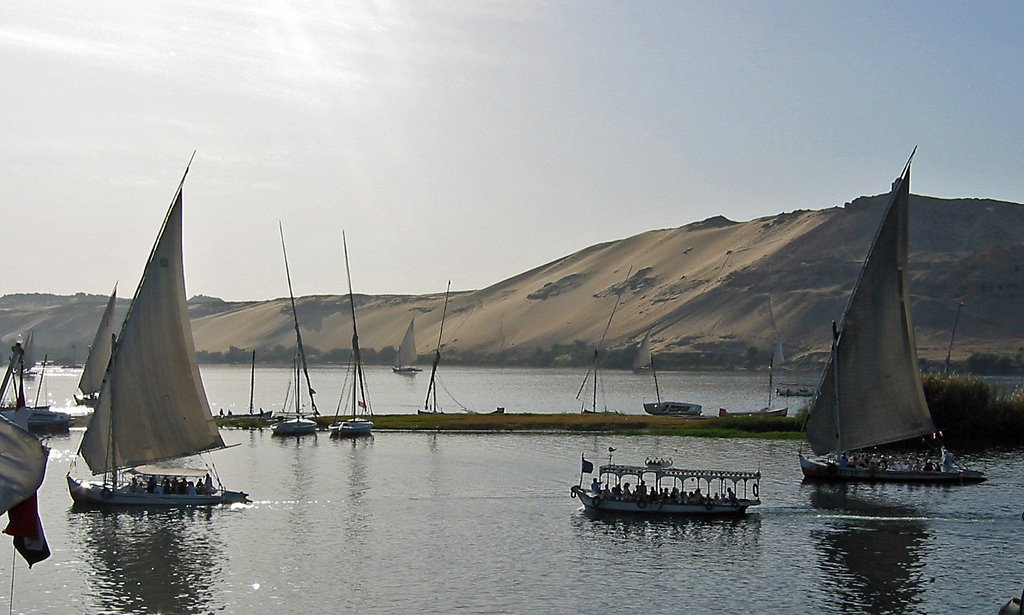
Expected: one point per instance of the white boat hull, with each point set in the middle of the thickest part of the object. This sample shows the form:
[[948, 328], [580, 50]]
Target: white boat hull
[[294, 427], [594, 503], [827, 470], [87, 493], [352, 428]]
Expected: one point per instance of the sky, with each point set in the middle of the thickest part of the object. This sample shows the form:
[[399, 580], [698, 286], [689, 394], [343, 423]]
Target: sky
[[471, 141]]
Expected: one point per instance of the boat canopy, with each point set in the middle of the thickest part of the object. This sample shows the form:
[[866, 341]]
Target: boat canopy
[[878, 398], [680, 473]]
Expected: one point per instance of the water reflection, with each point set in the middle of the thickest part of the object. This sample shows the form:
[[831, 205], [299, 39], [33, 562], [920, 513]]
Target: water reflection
[[160, 561], [871, 550]]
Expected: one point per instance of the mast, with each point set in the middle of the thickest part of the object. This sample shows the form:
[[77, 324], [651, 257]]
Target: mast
[[597, 349], [953, 335], [295, 319], [431, 388], [654, 373], [359, 376], [252, 380]]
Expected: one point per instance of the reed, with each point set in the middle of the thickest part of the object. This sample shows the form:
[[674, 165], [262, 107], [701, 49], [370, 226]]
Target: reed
[[971, 412]]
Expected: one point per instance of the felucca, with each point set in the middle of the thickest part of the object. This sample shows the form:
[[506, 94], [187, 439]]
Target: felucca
[[152, 407], [99, 356], [645, 362], [407, 352], [357, 425], [870, 392]]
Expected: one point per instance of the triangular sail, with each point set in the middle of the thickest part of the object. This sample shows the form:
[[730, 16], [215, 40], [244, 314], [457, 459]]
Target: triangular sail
[[407, 349], [29, 358], [99, 352], [643, 355], [870, 392], [152, 406]]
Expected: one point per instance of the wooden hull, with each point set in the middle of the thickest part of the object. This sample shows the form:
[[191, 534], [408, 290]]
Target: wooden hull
[[596, 504], [723, 413], [95, 495], [825, 470]]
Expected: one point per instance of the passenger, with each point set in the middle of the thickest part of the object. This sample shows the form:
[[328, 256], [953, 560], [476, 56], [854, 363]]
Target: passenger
[[947, 461], [928, 466], [151, 484], [617, 491], [843, 461], [731, 494], [158, 489], [190, 488], [208, 484], [595, 486], [626, 492], [167, 486]]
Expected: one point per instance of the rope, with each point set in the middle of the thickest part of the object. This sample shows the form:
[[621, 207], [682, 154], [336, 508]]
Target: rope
[[457, 402], [14, 565]]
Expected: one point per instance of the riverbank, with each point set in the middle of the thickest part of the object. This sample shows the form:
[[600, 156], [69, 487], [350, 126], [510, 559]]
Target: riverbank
[[776, 428]]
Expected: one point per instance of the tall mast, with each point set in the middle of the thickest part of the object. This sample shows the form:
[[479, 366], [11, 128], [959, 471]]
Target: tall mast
[[359, 377], [431, 388], [252, 380], [295, 319]]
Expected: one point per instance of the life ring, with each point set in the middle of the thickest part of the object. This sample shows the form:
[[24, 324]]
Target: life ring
[[641, 503], [595, 502], [106, 493], [572, 492], [755, 490]]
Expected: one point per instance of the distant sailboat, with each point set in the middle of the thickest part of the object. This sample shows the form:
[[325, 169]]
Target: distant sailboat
[[152, 407], [356, 425], [775, 358], [645, 362], [407, 352], [262, 414], [298, 425], [593, 376], [40, 417], [99, 356], [870, 392]]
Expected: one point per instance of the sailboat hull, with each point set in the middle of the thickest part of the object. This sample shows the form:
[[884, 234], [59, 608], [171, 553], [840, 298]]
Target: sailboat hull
[[826, 470], [95, 495], [352, 428], [672, 408], [407, 371], [725, 413], [294, 427]]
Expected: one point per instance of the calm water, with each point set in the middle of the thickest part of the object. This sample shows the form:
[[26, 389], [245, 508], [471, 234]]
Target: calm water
[[419, 522]]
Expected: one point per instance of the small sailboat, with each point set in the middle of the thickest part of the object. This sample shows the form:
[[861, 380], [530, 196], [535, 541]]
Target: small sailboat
[[38, 418], [430, 405], [152, 407], [262, 414], [593, 377], [23, 462], [767, 410], [298, 424], [99, 356], [645, 361], [870, 392], [407, 352], [357, 425]]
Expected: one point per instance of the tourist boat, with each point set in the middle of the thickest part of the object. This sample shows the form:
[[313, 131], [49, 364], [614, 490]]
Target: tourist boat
[[611, 491], [870, 392], [357, 425], [298, 425], [407, 352], [645, 362], [99, 355], [152, 407]]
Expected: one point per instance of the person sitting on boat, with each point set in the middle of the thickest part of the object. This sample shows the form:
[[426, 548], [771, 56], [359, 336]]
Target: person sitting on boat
[[595, 486], [731, 494], [158, 489], [134, 486], [843, 461], [208, 487], [641, 489], [151, 484], [190, 488], [928, 467], [617, 492], [626, 492]]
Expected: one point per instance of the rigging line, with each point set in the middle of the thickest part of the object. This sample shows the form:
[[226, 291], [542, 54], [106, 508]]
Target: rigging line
[[295, 318], [14, 565], [445, 387]]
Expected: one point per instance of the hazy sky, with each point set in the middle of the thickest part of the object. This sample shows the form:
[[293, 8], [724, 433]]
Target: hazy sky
[[471, 140]]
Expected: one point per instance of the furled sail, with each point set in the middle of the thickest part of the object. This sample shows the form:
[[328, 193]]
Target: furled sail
[[407, 349], [152, 406], [870, 392], [643, 355], [99, 352]]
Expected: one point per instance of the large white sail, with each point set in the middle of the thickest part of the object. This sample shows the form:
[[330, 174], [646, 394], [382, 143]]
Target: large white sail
[[22, 456], [407, 349], [643, 355], [99, 352], [152, 406], [870, 392]]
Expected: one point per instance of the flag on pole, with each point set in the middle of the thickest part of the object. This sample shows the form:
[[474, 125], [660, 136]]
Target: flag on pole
[[27, 530], [588, 468], [362, 404]]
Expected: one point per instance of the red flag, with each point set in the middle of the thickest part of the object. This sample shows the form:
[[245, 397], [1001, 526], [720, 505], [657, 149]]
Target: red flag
[[362, 404], [27, 530]]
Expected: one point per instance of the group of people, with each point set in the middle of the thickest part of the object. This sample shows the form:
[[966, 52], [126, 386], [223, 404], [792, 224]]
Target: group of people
[[907, 464], [646, 495], [173, 486]]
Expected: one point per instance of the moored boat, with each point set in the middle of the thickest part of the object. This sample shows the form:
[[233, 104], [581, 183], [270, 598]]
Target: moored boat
[[725, 413], [672, 408], [360, 397], [669, 492]]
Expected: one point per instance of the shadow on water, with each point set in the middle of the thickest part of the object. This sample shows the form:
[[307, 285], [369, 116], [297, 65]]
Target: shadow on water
[[870, 552], [725, 532], [159, 561]]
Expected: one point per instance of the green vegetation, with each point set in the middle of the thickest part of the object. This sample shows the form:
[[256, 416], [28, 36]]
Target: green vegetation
[[735, 427], [971, 412], [987, 363]]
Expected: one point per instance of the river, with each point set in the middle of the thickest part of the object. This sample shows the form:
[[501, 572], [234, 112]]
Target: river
[[407, 522]]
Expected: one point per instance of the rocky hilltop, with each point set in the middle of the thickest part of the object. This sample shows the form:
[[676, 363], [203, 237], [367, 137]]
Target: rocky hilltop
[[711, 288]]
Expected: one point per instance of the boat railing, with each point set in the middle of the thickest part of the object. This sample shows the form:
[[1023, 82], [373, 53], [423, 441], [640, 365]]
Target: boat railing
[[680, 473]]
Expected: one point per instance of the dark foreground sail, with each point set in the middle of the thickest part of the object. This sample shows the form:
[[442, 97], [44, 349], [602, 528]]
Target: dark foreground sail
[[870, 392]]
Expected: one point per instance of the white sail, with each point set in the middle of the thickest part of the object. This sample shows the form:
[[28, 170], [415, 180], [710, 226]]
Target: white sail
[[407, 349], [643, 355], [99, 352], [870, 392], [152, 405], [777, 357], [28, 357]]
